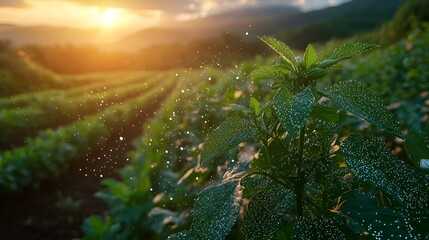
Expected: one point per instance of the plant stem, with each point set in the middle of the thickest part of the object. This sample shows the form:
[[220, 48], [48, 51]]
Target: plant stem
[[300, 183]]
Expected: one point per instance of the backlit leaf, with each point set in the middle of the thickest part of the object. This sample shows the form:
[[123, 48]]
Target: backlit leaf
[[359, 100], [270, 72], [216, 211], [310, 56], [349, 50], [265, 211], [282, 49], [293, 110], [255, 106], [229, 134]]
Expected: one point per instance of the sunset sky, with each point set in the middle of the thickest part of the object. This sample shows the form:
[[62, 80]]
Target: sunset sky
[[128, 15]]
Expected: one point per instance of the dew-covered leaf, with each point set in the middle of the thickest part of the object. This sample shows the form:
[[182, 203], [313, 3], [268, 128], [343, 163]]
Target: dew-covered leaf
[[359, 100], [324, 227], [282, 49], [417, 146], [270, 156], [310, 56], [372, 161], [229, 134], [349, 50], [160, 219], [216, 210], [325, 113], [293, 110], [239, 108], [264, 213], [316, 73], [254, 184], [270, 72], [366, 214], [185, 235], [255, 106]]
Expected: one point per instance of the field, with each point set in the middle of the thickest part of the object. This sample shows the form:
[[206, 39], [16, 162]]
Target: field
[[328, 142]]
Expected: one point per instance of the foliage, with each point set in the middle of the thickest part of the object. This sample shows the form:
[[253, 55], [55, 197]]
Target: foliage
[[223, 50], [316, 171], [18, 74], [24, 115], [152, 184], [401, 67], [348, 22], [51, 152], [411, 14]]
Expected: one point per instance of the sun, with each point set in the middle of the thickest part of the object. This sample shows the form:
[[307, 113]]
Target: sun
[[110, 16]]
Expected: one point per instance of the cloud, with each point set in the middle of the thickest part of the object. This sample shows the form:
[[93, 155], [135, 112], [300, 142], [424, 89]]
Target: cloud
[[13, 3], [164, 5], [139, 12]]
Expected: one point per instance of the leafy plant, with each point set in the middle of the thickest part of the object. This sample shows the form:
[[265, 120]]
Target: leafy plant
[[51, 152], [67, 204], [311, 177]]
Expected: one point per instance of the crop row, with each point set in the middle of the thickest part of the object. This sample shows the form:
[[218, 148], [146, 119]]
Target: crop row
[[51, 153], [23, 122], [160, 186], [98, 84]]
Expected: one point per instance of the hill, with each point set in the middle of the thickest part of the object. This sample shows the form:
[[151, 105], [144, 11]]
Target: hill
[[46, 35], [348, 19]]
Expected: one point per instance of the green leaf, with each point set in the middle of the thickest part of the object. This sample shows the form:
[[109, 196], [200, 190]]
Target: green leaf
[[316, 73], [365, 214], [160, 219], [94, 227], [293, 110], [270, 72], [216, 210], [254, 184], [325, 113], [255, 106], [310, 56], [417, 146], [282, 49], [372, 161], [265, 211], [324, 227], [185, 235], [349, 50], [239, 108], [359, 100], [118, 189], [229, 134]]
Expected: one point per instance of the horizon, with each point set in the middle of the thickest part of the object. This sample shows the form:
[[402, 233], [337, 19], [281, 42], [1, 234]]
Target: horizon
[[122, 18]]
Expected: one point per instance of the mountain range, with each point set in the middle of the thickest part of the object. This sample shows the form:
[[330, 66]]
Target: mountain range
[[246, 22]]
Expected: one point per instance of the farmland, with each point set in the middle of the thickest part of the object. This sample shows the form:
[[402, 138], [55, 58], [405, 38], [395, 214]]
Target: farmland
[[324, 142]]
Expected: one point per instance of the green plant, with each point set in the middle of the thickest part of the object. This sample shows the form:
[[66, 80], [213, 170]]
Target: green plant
[[153, 200], [51, 152], [312, 177], [67, 204]]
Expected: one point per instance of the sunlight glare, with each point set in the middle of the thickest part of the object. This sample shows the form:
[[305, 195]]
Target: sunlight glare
[[110, 15]]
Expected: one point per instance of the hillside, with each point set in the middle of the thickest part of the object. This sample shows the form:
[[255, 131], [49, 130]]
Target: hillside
[[46, 35], [267, 20], [274, 20]]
